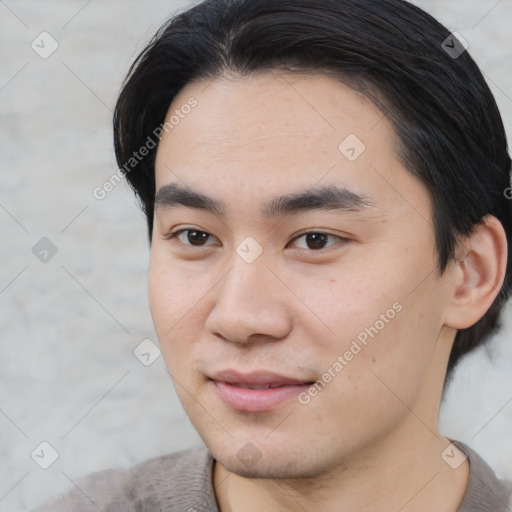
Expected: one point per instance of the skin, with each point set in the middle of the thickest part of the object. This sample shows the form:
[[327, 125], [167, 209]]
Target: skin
[[369, 440]]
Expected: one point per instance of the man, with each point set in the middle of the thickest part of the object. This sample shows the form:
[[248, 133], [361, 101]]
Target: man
[[329, 224]]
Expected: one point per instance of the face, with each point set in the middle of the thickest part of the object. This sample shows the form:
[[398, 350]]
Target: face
[[291, 249]]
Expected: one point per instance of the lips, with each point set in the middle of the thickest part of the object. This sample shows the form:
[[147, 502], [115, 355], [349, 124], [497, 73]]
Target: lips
[[256, 391]]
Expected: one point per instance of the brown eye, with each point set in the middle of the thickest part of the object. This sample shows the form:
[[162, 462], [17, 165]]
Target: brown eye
[[197, 237], [317, 240], [192, 237]]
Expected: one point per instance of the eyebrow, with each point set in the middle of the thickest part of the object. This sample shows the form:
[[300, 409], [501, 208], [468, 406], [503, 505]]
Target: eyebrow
[[330, 197]]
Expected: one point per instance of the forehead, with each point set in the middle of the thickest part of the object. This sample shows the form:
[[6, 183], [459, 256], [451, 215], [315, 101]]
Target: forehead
[[299, 113], [274, 132]]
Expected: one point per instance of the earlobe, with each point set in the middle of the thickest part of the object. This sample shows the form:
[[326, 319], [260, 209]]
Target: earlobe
[[479, 274]]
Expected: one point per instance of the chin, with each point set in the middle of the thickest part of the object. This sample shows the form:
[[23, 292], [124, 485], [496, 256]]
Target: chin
[[268, 463], [275, 470]]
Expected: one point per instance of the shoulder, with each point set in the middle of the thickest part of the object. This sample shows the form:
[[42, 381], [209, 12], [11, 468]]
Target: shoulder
[[177, 481], [485, 490]]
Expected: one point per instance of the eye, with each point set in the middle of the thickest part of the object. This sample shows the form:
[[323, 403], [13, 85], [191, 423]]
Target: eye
[[317, 240], [192, 237]]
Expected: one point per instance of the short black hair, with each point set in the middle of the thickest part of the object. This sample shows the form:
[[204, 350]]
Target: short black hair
[[449, 129]]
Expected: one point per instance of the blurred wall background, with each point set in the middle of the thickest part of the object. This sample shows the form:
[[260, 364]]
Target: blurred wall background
[[73, 302]]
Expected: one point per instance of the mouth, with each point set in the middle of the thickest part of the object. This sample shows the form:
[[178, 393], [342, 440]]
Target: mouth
[[259, 386], [256, 391]]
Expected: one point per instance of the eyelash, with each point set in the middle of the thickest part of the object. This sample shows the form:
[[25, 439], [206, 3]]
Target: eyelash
[[176, 234]]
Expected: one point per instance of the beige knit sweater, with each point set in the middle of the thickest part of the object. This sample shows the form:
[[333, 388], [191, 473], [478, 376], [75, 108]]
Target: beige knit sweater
[[182, 482]]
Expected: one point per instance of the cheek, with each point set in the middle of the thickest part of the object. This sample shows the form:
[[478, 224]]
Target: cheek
[[163, 292], [374, 378], [175, 303], [378, 325], [172, 290], [387, 360], [349, 303]]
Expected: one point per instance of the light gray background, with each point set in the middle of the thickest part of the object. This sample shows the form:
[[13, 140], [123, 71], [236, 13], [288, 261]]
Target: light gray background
[[69, 326]]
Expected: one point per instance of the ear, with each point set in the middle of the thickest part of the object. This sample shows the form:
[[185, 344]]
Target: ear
[[479, 275]]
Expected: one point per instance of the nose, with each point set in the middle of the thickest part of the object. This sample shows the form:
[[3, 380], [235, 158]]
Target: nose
[[251, 304]]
